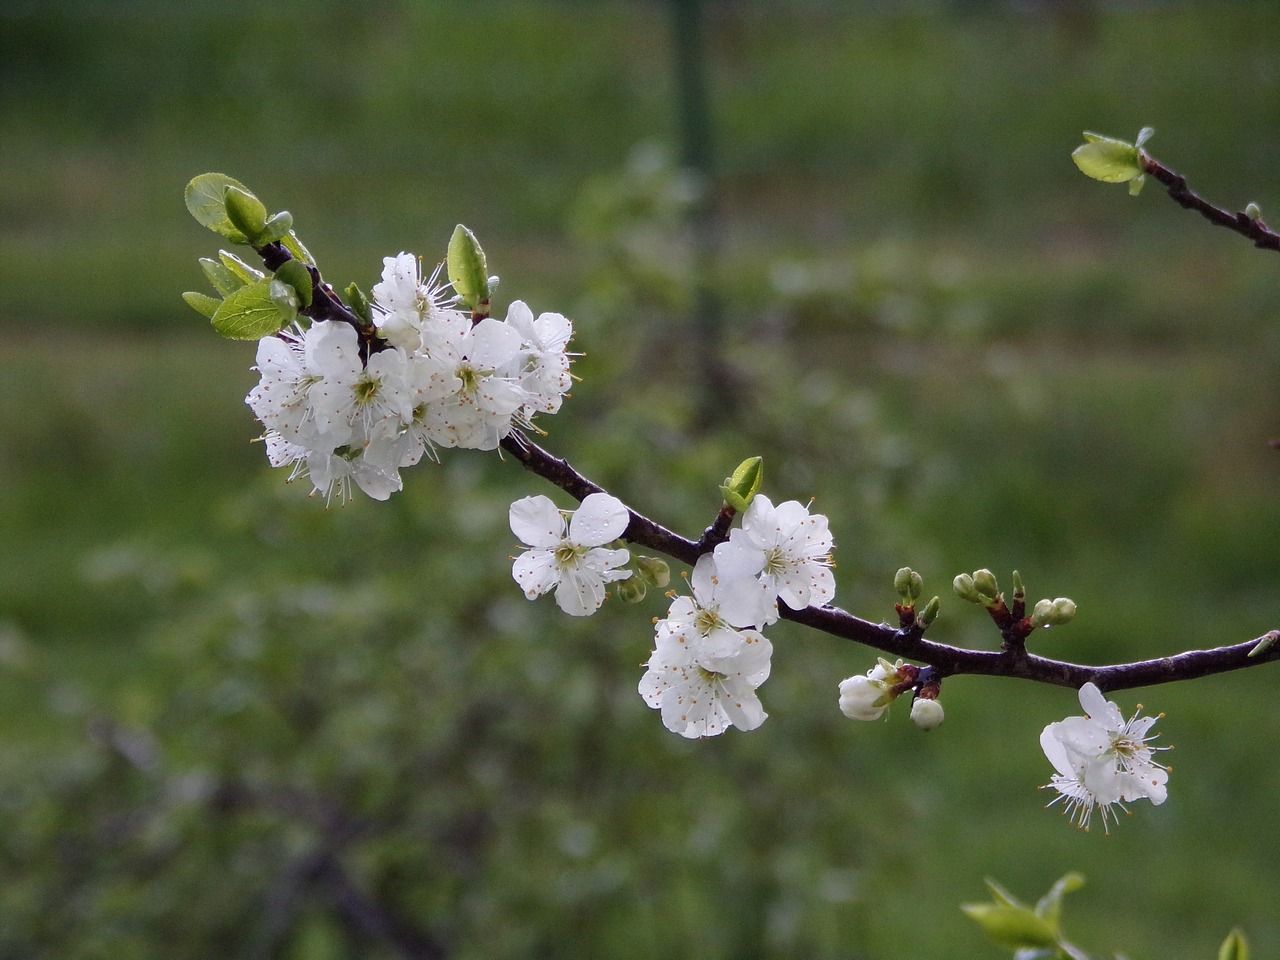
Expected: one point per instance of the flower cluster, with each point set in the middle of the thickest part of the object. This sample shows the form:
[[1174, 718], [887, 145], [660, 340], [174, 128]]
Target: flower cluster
[[338, 415], [709, 656], [1103, 761]]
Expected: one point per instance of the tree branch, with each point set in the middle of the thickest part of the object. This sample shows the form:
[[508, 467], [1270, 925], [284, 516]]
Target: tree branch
[[1184, 196], [908, 642]]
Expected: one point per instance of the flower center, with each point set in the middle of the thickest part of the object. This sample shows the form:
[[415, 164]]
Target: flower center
[[708, 620], [567, 555], [367, 391], [775, 561]]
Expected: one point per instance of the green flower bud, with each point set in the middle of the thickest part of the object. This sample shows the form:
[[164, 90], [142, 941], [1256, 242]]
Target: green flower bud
[[1064, 610], [1018, 589], [984, 581], [468, 271], [739, 489], [1253, 212], [1041, 613], [909, 585], [652, 570], [632, 589], [1053, 613], [929, 614], [964, 587]]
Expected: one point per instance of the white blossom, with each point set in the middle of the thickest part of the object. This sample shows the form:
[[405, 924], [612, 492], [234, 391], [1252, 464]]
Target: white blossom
[[703, 672], [403, 303], [866, 696], [1102, 760], [569, 556], [542, 365], [786, 547]]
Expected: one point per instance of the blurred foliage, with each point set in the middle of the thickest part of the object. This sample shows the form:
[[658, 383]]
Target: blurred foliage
[[238, 724]]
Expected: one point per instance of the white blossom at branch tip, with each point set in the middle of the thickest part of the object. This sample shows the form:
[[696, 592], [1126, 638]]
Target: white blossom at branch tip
[[566, 550], [704, 671], [1102, 760]]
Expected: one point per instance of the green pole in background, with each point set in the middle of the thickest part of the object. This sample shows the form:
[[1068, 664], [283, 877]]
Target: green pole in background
[[697, 155]]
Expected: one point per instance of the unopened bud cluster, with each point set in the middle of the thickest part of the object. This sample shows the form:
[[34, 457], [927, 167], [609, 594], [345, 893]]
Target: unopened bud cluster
[[867, 696]]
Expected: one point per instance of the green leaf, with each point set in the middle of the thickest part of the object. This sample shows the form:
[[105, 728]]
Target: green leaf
[[250, 313], [359, 303], [739, 489], [1049, 907], [1107, 159], [285, 297], [246, 212], [276, 228], [1002, 896], [1235, 947], [219, 277], [468, 271], [202, 303], [1014, 927], [297, 276], [294, 246], [246, 273], [205, 196]]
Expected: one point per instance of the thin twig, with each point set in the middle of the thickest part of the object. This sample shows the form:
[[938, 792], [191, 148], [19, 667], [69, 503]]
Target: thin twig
[[1176, 184]]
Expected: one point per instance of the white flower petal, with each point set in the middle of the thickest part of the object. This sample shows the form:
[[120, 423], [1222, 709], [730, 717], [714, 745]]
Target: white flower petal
[[537, 521], [601, 518]]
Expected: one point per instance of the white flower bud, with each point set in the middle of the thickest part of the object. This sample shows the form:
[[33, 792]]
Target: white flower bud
[[862, 698], [926, 714]]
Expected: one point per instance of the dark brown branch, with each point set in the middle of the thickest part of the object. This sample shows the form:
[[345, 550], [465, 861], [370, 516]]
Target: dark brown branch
[[908, 642], [1240, 222]]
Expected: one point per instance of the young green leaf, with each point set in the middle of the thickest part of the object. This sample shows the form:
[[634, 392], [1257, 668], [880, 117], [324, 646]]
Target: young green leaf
[[739, 489], [1001, 895], [294, 246], [468, 271], [1049, 907], [285, 297], [244, 271], [202, 303], [246, 212], [359, 303], [251, 313], [205, 196], [1235, 947], [219, 277], [276, 227], [1107, 159], [1014, 927], [296, 275]]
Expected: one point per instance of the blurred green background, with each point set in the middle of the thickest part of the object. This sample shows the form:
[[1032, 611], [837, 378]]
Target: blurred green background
[[234, 723]]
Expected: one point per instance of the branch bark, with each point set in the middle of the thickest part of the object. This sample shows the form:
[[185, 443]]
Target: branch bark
[[908, 642], [1182, 194]]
